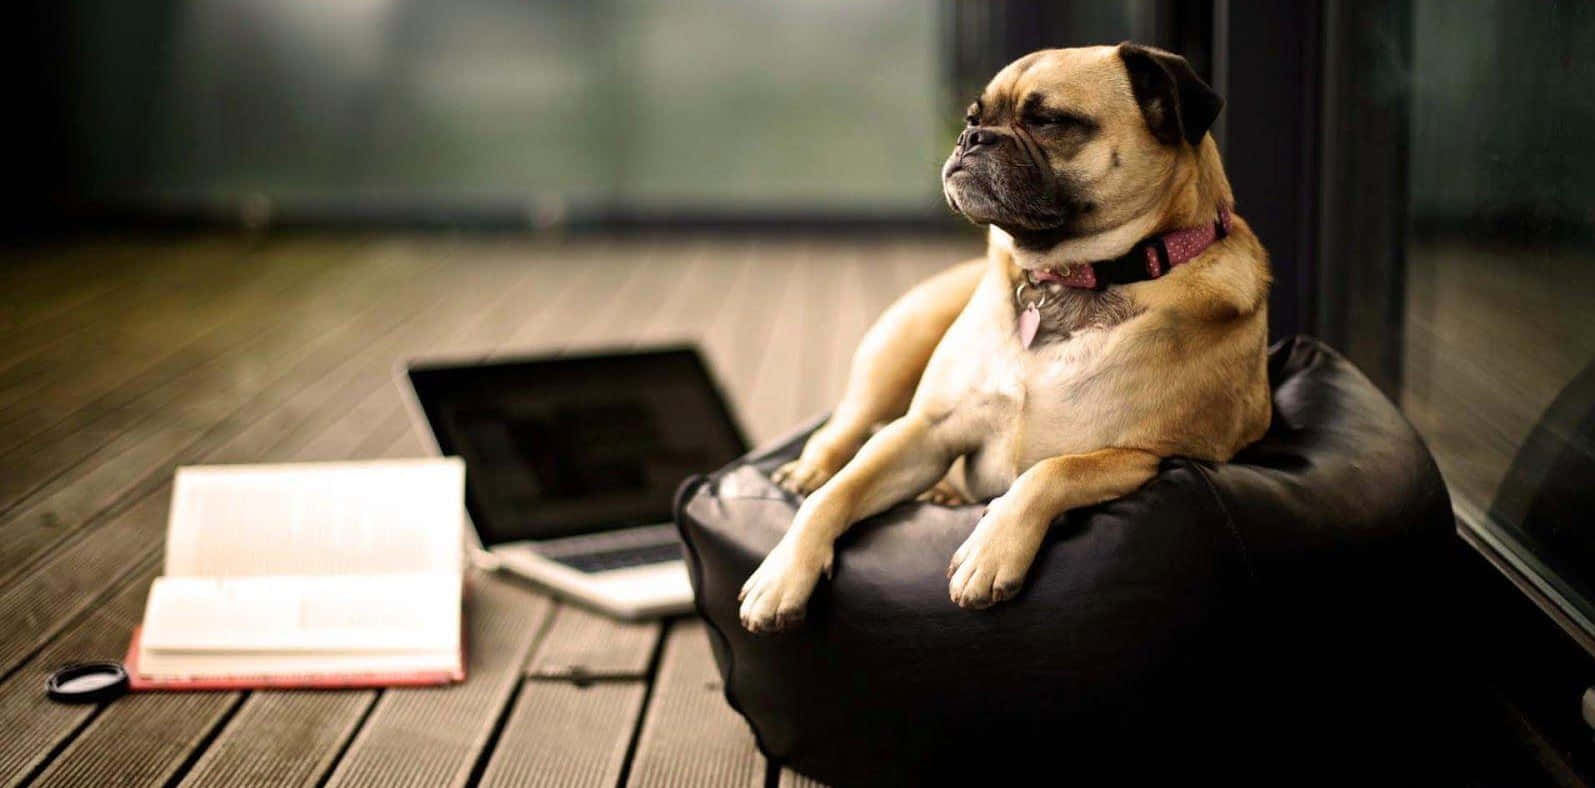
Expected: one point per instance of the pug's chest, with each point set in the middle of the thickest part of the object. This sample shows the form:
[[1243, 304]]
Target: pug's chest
[[1016, 405], [1052, 406]]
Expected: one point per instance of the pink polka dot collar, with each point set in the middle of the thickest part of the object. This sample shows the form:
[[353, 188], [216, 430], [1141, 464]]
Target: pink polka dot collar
[[1149, 259]]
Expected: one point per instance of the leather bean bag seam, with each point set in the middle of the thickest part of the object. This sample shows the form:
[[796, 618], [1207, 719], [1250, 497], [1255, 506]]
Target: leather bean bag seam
[[1203, 473]]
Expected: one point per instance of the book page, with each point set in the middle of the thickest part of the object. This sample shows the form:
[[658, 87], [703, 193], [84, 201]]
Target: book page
[[387, 516], [362, 614]]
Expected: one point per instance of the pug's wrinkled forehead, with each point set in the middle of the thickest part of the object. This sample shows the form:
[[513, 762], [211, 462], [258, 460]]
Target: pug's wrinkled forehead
[[1093, 87], [1087, 86]]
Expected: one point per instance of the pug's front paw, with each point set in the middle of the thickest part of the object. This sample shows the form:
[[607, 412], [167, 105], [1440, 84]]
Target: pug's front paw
[[826, 452], [776, 596], [991, 565], [801, 476]]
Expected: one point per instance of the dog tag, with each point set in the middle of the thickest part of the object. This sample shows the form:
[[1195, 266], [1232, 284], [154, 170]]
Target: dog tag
[[1029, 321]]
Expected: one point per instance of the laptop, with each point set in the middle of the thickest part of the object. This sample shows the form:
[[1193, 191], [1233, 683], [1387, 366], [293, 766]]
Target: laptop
[[572, 463]]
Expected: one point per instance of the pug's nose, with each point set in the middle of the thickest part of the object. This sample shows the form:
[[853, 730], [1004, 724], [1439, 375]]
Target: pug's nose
[[978, 136]]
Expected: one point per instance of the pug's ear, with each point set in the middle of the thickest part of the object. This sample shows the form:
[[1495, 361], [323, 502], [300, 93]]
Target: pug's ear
[[1176, 103]]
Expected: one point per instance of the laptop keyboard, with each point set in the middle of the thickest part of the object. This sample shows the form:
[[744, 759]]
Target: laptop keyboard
[[623, 557]]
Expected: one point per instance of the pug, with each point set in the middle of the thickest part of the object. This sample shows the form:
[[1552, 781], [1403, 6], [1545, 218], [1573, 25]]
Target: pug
[[1118, 317]]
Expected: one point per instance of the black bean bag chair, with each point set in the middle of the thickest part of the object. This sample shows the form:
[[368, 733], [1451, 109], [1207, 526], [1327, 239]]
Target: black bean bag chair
[[1281, 617]]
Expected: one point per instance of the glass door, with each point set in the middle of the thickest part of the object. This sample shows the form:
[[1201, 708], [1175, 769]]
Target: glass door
[[1498, 361]]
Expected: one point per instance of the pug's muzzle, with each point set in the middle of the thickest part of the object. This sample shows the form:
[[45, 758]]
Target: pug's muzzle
[[995, 176]]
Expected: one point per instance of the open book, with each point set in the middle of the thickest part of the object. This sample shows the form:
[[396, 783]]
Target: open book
[[314, 574]]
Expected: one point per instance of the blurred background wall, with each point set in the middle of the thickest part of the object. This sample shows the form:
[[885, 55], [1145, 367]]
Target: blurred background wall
[[530, 114], [502, 110], [487, 105]]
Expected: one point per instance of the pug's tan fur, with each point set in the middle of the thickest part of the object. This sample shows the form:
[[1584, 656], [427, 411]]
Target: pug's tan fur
[[1117, 379]]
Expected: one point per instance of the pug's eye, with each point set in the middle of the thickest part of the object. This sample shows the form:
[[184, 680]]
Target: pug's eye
[[1058, 121], [972, 115]]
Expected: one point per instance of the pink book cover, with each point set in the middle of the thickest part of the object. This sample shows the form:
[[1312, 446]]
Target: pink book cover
[[137, 681]]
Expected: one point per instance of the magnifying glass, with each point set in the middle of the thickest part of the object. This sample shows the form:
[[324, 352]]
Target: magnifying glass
[[87, 682]]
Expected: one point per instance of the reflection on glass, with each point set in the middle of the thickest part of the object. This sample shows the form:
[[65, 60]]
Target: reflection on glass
[[1500, 333]]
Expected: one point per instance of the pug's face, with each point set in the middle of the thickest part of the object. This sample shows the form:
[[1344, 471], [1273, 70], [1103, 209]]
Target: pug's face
[[1064, 143]]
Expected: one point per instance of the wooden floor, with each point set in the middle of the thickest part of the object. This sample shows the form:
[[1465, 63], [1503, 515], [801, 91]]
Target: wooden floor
[[121, 359]]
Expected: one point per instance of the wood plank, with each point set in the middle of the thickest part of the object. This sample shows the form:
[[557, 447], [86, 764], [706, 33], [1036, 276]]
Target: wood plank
[[721, 338], [612, 308], [773, 393], [410, 444], [585, 645], [293, 738], [132, 466], [433, 736], [563, 735], [203, 381], [139, 740], [690, 736], [871, 277], [33, 612], [172, 305], [803, 349], [82, 288], [157, 319], [568, 287], [791, 779], [814, 368], [33, 724], [845, 307], [59, 279], [699, 274], [746, 329]]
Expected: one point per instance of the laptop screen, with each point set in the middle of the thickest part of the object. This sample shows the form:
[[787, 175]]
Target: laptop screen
[[576, 444]]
